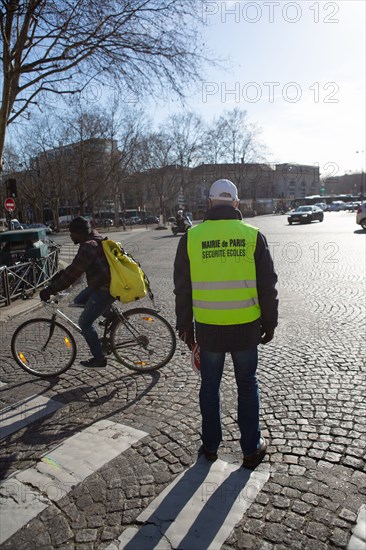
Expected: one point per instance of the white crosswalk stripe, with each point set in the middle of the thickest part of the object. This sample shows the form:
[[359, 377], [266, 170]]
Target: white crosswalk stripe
[[198, 510], [17, 416], [358, 538], [26, 493]]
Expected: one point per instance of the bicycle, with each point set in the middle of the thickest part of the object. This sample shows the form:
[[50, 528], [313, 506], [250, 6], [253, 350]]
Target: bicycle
[[139, 338]]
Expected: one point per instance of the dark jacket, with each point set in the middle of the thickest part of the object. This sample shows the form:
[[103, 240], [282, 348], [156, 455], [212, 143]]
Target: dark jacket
[[90, 259], [228, 337]]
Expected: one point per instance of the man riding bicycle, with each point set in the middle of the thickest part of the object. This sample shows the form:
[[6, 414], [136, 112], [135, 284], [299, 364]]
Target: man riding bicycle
[[96, 299]]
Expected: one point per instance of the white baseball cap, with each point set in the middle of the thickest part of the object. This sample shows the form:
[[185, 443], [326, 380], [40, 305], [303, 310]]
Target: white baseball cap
[[223, 190]]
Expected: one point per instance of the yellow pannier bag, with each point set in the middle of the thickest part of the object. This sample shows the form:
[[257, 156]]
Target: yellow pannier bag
[[128, 281]]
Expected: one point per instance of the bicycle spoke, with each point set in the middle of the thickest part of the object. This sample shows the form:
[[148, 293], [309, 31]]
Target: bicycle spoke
[[43, 347], [142, 340]]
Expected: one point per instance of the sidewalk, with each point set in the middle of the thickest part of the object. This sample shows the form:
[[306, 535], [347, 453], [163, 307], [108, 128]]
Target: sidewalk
[[19, 307]]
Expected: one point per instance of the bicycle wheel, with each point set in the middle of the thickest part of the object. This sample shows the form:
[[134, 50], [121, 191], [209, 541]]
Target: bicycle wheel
[[43, 347], [145, 341]]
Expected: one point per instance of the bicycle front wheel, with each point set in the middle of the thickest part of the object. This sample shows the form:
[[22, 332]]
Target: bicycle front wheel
[[143, 341], [43, 347]]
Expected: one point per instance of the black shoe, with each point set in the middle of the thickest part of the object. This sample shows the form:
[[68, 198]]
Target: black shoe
[[209, 455], [94, 363], [252, 461]]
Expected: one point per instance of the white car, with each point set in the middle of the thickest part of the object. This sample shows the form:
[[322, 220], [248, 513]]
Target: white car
[[361, 215]]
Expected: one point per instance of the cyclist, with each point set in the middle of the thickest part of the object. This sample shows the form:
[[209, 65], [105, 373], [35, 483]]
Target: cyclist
[[96, 299]]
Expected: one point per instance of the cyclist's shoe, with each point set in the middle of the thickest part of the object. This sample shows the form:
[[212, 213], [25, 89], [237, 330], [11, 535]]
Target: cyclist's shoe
[[94, 363]]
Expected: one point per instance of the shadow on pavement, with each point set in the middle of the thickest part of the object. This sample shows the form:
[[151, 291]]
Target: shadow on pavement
[[52, 429]]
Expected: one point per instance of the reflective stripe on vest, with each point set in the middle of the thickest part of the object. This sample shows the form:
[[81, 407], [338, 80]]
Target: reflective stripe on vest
[[219, 285], [223, 274]]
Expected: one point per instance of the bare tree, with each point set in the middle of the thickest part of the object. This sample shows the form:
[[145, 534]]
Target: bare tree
[[59, 46], [231, 138], [127, 130], [42, 176], [186, 132], [162, 174], [214, 143], [87, 147], [66, 160]]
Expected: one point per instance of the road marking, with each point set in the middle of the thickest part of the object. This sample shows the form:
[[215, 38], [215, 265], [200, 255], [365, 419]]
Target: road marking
[[358, 538], [198, 510], [25, 494], [17, 416], [18, 505]]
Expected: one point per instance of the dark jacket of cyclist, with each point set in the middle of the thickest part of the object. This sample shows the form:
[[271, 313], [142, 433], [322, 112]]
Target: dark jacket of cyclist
[[96, 299], [90, 259]]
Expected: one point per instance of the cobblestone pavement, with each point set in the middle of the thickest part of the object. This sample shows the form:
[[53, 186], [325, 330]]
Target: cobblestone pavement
[[312, 381]]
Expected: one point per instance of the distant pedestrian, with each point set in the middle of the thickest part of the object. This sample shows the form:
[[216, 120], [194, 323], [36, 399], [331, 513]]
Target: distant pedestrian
[[225, 280]]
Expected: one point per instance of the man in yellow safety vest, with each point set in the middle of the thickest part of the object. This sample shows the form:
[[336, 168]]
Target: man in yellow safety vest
[[224, 280]]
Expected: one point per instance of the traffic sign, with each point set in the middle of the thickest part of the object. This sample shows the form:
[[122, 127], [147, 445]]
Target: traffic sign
[[9, 204]]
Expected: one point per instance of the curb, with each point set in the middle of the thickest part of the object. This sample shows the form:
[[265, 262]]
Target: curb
[[19, 308]]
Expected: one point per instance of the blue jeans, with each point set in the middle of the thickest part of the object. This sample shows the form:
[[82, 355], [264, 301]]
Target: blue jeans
[[95, 302], [245, 367]]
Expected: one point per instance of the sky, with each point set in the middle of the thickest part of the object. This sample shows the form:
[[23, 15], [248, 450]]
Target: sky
[[297, 68]]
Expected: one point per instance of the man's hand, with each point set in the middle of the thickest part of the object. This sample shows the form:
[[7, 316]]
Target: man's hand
[[45, 294], [267, 335], [187, 336]]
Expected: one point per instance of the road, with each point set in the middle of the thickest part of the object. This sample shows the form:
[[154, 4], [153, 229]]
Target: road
[[145, 489]]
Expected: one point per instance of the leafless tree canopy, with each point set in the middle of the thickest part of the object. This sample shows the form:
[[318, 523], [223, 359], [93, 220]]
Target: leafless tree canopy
[[85, 158], [60, 45], [231, 138]]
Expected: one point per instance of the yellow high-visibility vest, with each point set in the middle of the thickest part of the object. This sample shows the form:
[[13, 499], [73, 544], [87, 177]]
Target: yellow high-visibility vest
[[223, 274]]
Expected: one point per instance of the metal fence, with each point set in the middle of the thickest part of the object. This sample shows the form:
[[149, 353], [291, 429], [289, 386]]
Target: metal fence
[[22, 279]]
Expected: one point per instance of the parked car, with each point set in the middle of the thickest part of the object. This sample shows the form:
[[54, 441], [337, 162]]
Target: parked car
[[40, 226], [305, 214], [151, 219], [129, 221], [337, 206], [133, 220], [352, 206], [322, 205], [361, 215]]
